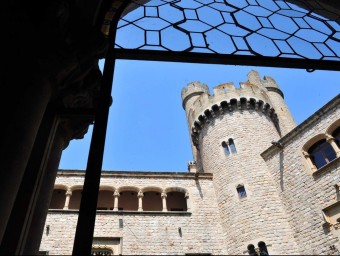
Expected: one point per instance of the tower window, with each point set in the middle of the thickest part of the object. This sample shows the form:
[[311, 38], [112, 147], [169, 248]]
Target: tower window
[[232, 146], [229, 147], [226, 148], [241, 191]]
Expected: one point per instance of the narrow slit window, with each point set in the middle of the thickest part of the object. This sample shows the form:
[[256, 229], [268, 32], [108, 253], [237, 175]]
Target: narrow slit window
[[241, 191], [226, 148], [232, 146]]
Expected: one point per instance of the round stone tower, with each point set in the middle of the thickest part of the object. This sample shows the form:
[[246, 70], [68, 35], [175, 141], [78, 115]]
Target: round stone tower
[[286, 120], [229, 130], [189, 95]]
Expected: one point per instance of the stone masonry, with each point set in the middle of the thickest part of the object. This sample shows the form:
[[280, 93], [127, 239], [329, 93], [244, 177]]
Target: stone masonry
[[243, 139]]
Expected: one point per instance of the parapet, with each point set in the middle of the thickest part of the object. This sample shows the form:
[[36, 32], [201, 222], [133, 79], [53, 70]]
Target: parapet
[[193, 89], [252, 95], [267, 82]]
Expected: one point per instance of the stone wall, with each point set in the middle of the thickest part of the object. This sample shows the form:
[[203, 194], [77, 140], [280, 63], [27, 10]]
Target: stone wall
[[145, 233], [259, 216], [304, 192]]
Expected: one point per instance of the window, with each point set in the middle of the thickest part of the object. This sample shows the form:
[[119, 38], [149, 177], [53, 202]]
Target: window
[[232, 146], [241, 191], [229, 147], [336, 136], [321, 153], [226, 148]]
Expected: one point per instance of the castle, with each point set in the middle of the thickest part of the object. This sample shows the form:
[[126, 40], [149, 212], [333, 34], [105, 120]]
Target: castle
[[256, 179]]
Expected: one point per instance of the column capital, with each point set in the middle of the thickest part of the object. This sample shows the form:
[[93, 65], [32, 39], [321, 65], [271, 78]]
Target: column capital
[[68, 192], [186, 195], [163, 194], [116, 193], [140, 194]]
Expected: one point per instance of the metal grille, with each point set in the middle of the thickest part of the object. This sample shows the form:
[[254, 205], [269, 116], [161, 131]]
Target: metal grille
[[296, 29]]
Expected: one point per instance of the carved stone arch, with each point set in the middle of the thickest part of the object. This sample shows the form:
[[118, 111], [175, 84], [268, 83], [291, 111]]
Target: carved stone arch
[[312, 141], [152, 189], [333, 127], [177, 199], [128, 188], [107, 188], [176, 189], [128, 200]]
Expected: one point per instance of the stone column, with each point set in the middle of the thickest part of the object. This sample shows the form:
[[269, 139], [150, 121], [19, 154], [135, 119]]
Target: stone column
[[67, 200], [186, 196], [116, 196], [140, 196], [332, 142], [164, 195]]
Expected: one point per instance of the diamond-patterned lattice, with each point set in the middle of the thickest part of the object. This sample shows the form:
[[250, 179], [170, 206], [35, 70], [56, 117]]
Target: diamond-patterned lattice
[[276, 28]]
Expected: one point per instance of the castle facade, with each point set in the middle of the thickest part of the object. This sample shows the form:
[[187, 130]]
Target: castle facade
[[257, 183]]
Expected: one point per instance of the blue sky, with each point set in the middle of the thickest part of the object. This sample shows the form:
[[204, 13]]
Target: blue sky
[[147, 128]]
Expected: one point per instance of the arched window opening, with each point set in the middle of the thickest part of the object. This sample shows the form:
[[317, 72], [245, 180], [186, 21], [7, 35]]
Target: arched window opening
[[105, 200], [128, 201], [226, 148], [229, 147], [176, 201], [232, 146], [58, 199], [152, 201], [241, 191], [75, 199], [321, 153], [336, 136]]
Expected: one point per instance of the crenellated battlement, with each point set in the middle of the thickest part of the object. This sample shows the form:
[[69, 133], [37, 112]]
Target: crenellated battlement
[[252, 95], [193, 89]]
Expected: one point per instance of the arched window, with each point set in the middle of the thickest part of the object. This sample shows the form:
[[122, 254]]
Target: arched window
[[232, 146], [152, 201], [321, 153], [128, 201], [105, 200], [226, 148], [336, 136], [75, 199], [229, 147], [58, 199], [176, 201]]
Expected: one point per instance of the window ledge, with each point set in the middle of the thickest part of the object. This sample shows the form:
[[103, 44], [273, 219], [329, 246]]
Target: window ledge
[[110, 212], [327, 167]]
